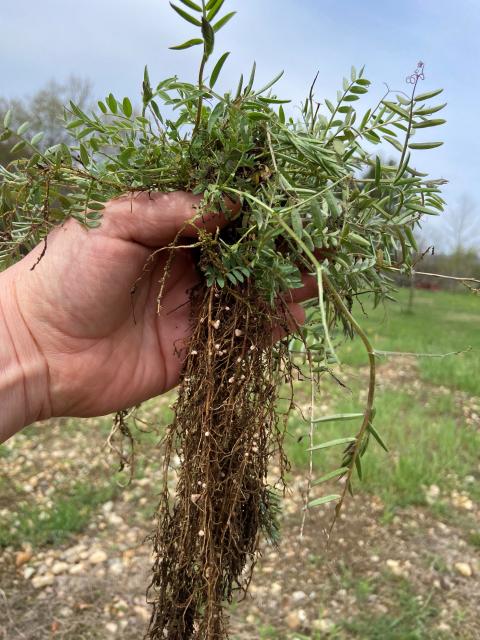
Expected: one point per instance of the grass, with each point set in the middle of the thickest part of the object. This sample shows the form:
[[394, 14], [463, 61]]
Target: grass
[[427, 439], [441, 322], [68, 515], [411, 619], [426, 446], [474, 539]]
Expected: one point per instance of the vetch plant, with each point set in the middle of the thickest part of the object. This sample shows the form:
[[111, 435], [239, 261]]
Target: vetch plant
[[313, 198]]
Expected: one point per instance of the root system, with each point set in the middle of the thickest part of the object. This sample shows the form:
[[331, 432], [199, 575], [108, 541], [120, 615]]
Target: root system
[[224, 432]]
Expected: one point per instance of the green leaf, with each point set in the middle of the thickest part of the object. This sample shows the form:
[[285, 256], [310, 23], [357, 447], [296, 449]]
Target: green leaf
[[378, 172], [249, 86], [339, 147], [396, 109], [112, 103], [258, 115], [430, 111], [358, 464], [127, 107], [208, 36], [84, 157], [101, 105], [377, 436], [36, 138], [428, 123], [353, 74], [358, 239], [297, 225], [269, 84], [22, 128], [187, 44], [186, 16], [214, 116], [239, 275], [18, 147], [332, 443], [420, 208], [272, 100], [239, 87], [215, 9], [96, 206], [426, 96], [318, 501], [210, 4], [403, 100], [192, 5], [339, 416], [359, 90], [330, 105], [411, 238], [217, 68], [330, 475], [223, 21], [403, 167], [7, 119], [365, 119], [78, 112], [73, 124], [394, 142], [281, 115], [332, 203], [425, 145], [147, 93], [154, 106]]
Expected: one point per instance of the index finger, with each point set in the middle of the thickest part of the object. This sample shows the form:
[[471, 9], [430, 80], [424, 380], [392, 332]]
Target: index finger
[[155, 219]]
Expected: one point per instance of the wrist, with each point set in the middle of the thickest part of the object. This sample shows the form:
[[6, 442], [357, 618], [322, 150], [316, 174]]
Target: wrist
[[24, 388]]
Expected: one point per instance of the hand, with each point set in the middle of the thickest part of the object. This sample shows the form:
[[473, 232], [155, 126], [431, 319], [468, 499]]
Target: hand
[[77, 308]]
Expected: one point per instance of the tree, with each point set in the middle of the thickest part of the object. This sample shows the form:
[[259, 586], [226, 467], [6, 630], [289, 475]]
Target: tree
[[462, 228], [44, 110]]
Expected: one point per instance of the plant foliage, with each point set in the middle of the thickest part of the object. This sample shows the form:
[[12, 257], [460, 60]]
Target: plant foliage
[[315, 194]]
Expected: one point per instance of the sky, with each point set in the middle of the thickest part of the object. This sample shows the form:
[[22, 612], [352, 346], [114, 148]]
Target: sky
[[110, 41]]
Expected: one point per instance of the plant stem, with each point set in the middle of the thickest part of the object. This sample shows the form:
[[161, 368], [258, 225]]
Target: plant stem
[[200, 77], [367, 417], [200, 99]]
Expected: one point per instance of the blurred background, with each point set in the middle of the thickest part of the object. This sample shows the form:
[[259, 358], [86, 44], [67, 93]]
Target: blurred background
[[405, 560]]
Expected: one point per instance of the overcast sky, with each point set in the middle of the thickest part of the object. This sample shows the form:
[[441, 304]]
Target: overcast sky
[[110, 41]]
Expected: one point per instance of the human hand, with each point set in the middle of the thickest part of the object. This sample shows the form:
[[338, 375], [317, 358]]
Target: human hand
[[75, 309]]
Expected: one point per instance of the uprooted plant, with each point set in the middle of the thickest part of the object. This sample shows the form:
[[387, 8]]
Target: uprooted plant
[[314, 198]]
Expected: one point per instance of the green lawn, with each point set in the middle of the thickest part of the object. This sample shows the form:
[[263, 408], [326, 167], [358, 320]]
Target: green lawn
[[441, 322], [422, 425]]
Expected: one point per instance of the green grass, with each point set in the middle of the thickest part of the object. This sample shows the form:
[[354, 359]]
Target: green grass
[[474, 539], [441, 322], [427, 439], [426, 445], [70, 513], [410, 620]]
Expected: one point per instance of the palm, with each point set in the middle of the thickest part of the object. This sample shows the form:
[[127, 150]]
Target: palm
[[106, 350]]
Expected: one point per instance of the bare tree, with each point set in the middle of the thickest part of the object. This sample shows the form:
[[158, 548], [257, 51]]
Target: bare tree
[[44, 110], [463, 226]]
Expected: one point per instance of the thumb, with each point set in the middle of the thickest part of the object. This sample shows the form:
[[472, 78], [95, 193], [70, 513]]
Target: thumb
[[154, 219]]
